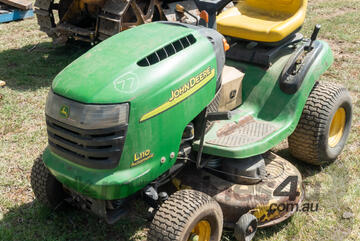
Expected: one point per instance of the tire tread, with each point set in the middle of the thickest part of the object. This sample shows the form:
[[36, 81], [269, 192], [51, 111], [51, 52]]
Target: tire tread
[[173, 215], [305, 141], [46, 188]]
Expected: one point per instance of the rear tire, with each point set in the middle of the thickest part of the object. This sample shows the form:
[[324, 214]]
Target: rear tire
[[47, 189], [316, 139], [186, 214]]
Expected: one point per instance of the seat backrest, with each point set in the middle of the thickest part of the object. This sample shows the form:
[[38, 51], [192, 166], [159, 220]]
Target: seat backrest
[[285, 6]]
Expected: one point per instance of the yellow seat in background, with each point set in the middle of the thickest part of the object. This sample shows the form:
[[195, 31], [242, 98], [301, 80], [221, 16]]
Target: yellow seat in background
[[262, 20]]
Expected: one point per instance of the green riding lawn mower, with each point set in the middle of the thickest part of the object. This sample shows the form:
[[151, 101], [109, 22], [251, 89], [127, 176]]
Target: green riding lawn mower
[[185, 120]]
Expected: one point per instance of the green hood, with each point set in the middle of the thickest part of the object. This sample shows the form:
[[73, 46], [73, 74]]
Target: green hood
[[163, 98], [109, 73]]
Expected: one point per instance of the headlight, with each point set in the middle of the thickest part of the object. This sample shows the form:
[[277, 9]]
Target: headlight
[[86, 116]]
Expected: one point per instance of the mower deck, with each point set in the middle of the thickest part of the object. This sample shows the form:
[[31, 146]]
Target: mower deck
[[258, 199]]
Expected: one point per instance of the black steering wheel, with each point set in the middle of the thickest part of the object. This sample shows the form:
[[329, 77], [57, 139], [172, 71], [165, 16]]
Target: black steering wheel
[[212, 7]]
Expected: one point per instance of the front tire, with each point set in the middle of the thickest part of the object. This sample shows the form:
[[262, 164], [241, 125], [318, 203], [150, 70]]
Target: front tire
[[47, 189], [324, 126], [187, 215], [245, 227]]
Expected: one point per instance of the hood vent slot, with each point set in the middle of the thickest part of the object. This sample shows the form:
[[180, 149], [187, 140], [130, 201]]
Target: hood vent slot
[[167, 51]]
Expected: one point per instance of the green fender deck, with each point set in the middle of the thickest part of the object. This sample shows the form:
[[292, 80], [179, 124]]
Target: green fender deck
[[267, 115]]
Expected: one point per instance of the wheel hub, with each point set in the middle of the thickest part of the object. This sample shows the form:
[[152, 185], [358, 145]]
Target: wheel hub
[[201, 231], [337, 127]]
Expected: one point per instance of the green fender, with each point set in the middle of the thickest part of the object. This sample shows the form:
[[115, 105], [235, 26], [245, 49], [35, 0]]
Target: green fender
[[264, 100]]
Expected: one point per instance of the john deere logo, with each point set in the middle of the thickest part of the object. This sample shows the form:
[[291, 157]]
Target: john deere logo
[[65, 111]]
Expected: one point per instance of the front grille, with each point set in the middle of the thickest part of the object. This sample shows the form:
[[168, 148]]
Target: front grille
[[99, 148]]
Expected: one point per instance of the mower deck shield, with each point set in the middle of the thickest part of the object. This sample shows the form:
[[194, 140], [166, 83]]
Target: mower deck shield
[[259, 199]]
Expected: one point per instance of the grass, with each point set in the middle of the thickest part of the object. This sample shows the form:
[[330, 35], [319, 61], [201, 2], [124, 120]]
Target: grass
[[28, 63]]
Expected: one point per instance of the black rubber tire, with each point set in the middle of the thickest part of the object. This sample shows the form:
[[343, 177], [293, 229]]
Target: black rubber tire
[[46, 188], [178, 215], [241, 230], [309, 141]]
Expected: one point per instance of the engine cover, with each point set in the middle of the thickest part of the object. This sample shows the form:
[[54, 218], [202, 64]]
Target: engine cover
[[166, 74]]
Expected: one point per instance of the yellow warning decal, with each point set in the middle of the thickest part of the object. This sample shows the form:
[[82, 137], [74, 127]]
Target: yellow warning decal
[[180, 94]]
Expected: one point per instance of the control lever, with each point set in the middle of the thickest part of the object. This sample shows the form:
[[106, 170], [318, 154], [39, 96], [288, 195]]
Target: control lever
[[211, 117], [205, 17], [180, 9], [314, 35]]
